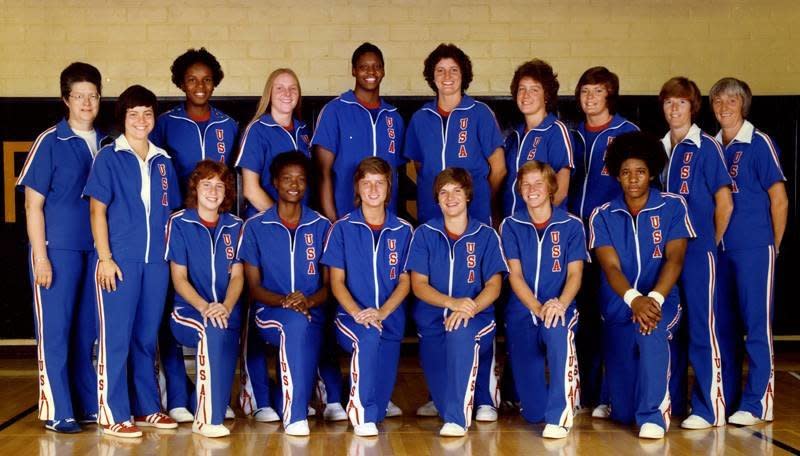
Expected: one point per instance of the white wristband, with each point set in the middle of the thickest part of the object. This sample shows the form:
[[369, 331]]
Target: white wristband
[[658, 297], [630, 295]]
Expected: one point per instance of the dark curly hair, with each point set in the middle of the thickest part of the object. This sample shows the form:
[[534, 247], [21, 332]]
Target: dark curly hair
[[366, 48], [600, 75], [638, 145], [189, 58], [541, 72], [132, 97], [292, 157], [207, 169], [79, 72], [448, 51]]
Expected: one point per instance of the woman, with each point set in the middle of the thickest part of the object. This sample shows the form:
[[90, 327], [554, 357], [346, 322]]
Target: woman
[[454, 130], [541, 316], [191, 132], [208, 280], [353, 126], [747, 259], [457, 272], [275, 128], [133, 189], [53, 178], [370, 242], [597, 93], [281, 249], [696, 170], [541, 137], [639, 239]]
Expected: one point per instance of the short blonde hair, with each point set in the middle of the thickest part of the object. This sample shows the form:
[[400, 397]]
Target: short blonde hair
[[548, 174]]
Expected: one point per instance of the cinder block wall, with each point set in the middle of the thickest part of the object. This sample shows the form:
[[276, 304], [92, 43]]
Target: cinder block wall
[[644, 41]]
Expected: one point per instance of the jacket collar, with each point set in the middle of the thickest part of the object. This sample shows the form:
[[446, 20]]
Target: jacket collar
[[121, 144], [225, 219], [391, 222], [694, 136], [269, 121], [349, 97], [473, 226], [180, 111], [467, 102], [547, 122], [307, 215], [521, 215], [745, 134], [64, 132], [654, 200]]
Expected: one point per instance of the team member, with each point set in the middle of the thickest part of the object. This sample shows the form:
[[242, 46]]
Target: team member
[[201, 248], [597, 93], [541, 137], [369, 242], [53, 178], [696, 170], [275, 128], [749, 248], [190, 132], [133, 189], [195, 130], [640, 240], [281, 249], [456, 273], [541, 316], [355, 125], [454, 130]]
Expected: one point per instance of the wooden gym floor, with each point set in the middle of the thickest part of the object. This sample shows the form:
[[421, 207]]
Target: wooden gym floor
[[22, 434]]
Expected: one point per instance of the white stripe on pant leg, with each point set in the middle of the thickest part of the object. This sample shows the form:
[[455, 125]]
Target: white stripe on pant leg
[[46, 403], [768, 398], [570, 381], [715, 387], [666, 403], [104, 414], [284, 373], [246, 395], [204, 404], [469, 394], [355, 408], [494, 387]]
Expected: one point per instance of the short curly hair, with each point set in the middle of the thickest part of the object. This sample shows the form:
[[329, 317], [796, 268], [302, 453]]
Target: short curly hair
[[600, 75], [284, 159], [207, 169], [638, 145], [541, 72], [682, 87], [189, 58], [448, 51]]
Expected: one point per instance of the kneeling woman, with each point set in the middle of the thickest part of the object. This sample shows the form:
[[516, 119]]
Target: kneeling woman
[[370, 242], [640, 240], [133, 189], [281, 248], [546, 248], [208, 280], [457, 271]]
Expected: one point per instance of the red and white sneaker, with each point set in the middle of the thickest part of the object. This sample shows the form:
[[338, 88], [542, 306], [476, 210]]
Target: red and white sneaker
[[125, 429], [157, 420]]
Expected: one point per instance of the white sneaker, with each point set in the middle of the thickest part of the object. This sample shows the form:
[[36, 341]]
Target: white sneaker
[[695, 422], [551, 431], [311, 411], [298, 428], [651, 431], [210, 430], [602, 411], [229, 415], [486, 413], [393, 410], [181, 415], [334, 412], [743, 418], [452, 430], [266, 415], [365, 430], [429, 409]]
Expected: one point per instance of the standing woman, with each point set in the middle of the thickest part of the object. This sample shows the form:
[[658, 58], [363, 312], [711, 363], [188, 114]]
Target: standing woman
[[133, 189], [191, 132], [541, 137], [275, 128], [59, 232], [696, 170], [208, 280], [455, 130], [194, 130], [639, 239], [370, 242], [457, 270], [597, 93], [353, 126], [747, 258], [281, 249], [541, 316]]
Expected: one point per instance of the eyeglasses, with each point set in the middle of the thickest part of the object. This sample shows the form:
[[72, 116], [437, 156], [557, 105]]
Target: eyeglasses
[[81, 97]]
